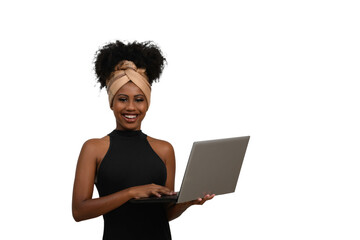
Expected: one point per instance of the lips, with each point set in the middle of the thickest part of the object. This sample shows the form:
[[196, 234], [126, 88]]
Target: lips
[[130, 117]]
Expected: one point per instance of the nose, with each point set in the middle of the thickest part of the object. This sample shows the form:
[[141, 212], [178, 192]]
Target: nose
[[130, 106]]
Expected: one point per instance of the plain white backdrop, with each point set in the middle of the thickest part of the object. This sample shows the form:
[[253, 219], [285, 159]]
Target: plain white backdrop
[[283, 72]]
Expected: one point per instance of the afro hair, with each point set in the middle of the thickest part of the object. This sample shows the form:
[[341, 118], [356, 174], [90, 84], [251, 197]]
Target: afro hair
[[145, 55]]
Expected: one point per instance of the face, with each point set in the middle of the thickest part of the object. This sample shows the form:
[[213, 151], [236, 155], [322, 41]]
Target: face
[[129, 107]]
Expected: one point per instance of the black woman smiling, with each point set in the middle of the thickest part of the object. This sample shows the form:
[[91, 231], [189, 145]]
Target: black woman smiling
[[126, 163]]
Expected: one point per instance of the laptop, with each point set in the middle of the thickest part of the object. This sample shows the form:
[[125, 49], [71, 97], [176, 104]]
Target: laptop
[[213, 168]]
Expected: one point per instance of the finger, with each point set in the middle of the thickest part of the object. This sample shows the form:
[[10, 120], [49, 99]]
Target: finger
[[160, 190], [203, 201], [206, 198], [198, 201], [166, 191], [156, 193], [209, 197]]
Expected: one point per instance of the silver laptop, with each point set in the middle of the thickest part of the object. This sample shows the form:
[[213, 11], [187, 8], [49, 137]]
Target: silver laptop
[[213, 168]]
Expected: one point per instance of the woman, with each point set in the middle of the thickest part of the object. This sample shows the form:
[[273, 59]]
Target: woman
[[127, 163]]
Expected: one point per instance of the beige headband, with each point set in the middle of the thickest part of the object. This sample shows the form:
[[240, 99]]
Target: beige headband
[[125, 72]]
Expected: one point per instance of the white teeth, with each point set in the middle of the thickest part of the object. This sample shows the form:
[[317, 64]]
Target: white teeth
[[130, 116]]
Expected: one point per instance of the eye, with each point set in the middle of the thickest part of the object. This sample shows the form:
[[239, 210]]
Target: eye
[[139, 99], [122, 99]]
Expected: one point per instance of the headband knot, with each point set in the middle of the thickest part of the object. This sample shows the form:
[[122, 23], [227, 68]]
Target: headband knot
[[123, 65], [124, 72]]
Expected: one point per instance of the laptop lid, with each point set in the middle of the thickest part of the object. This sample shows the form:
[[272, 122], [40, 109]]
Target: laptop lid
[[213, 168]]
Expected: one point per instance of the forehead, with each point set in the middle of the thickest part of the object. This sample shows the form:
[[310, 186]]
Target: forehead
[[130, 89]]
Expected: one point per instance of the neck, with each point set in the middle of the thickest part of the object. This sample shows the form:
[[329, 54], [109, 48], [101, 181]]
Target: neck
[[121, 128]]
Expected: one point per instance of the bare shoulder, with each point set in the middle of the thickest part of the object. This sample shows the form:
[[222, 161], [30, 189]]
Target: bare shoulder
[[163, 148], [164, 145], [96, 147], [95, 143]]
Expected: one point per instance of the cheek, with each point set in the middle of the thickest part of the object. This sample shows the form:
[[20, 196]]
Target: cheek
[[143, 111], [116, 108], [143, 107]]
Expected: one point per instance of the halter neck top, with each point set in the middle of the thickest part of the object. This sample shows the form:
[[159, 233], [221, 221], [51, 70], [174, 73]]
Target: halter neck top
[[130, 161]]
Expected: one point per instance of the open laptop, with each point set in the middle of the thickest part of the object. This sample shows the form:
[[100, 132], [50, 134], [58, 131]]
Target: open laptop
[[213, 168]]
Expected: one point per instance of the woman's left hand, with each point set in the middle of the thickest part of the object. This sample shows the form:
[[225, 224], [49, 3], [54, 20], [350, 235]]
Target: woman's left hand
[[176, 210], [200, 201]]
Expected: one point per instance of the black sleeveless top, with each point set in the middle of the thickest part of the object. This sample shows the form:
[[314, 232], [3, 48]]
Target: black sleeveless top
[[130, 161]]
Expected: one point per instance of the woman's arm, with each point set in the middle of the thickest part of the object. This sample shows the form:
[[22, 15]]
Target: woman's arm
[[83, 205]]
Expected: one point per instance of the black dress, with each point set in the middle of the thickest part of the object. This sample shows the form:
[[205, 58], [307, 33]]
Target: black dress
[[130, 161]]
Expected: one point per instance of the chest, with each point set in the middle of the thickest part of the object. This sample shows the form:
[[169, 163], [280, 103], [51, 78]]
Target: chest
[[129, 163]]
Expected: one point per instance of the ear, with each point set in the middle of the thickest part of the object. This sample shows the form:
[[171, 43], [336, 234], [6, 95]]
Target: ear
[[112, 105]]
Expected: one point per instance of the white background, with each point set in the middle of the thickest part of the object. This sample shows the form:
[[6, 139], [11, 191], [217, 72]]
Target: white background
[[283, 72]]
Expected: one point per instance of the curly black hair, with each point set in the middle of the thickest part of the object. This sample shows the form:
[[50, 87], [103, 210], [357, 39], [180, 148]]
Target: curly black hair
[[143, 54]]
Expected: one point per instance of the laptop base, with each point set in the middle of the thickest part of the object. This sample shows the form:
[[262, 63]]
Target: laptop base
[[154, 199]]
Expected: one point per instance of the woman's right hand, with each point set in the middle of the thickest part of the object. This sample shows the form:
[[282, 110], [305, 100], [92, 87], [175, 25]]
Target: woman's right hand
[[149, 190]]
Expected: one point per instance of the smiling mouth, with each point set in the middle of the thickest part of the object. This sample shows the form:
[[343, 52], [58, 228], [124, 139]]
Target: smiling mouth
[[130, 117]]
